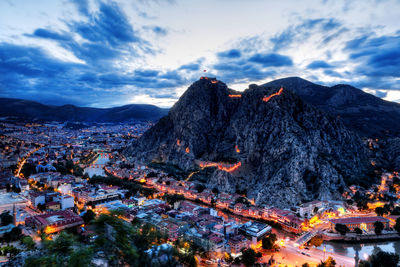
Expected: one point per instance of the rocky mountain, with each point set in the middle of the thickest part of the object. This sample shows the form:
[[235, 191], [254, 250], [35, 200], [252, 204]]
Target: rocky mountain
[[265, 140], [368, 115], [25, 109]]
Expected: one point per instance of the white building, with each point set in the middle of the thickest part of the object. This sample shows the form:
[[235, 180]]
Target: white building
[[66, 202], [65, 189]]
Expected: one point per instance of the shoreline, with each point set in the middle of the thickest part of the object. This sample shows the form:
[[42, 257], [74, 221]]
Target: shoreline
[[362, 239]]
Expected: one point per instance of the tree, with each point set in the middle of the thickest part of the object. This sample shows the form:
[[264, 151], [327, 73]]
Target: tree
[[88, 216], [305, 265], [248, 257], [62, 244], [358, 231], [200, 188], [316, 241], [379, 211], [41, 207], [341, 228], [28, 242], [381, 258], [396, 211], [378, 227], [330, 262], [397, 225], [228, 257], [6, 218], [269, 241], [81, 257], [215, 190]]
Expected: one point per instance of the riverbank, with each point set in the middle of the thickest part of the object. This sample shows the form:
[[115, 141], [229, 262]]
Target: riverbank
[[364, 238]]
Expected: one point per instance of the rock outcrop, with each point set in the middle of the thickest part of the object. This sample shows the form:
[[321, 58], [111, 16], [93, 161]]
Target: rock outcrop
[[273, 145]]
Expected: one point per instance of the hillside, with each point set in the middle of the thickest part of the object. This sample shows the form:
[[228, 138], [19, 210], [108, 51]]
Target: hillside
[[35, 111], [368, 115], [267, 141]]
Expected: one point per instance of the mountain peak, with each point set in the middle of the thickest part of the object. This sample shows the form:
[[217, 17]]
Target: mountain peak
[[264, 137]]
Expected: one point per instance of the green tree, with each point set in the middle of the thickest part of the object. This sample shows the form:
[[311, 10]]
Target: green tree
[[44, 261], [81, 257], [28, 242], [378, 227], [118, 240], [248, 257], [269, 241], [62, 244]]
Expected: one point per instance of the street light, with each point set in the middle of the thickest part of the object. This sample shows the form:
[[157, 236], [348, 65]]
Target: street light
[[324, 252]]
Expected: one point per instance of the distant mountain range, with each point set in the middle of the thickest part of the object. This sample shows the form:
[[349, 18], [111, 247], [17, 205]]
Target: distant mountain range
[[31, 110]]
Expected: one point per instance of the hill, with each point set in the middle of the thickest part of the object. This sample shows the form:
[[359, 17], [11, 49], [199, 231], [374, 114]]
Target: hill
[[26, 109], [368, 115], [265, 140]]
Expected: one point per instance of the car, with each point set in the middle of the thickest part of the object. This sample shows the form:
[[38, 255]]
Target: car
[[303, 253], [307, 248]]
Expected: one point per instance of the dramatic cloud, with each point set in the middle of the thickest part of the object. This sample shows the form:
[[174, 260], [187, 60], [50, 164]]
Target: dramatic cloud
[[319, 64], [107, 53]]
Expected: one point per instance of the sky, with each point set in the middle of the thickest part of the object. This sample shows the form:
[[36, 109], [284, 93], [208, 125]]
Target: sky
[[101, 53]]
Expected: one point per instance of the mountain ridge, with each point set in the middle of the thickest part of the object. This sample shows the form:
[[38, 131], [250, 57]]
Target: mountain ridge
[[265, 141], [366, 114], [27, 109]]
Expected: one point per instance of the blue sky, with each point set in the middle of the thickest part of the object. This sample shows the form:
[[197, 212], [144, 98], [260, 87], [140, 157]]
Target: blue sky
[[110, 53]]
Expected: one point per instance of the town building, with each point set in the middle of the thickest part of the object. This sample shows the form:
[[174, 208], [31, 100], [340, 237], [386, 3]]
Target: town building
[[364, 223], [55, 221], [237, 243], [255, 231]]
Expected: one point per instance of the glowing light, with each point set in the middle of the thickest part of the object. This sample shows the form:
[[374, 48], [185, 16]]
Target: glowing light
[[267, 98], [365, 256], [178, 142], [235, 96], [221, 166], [232, 168], [187, 150], [237, 149], [214, 81]]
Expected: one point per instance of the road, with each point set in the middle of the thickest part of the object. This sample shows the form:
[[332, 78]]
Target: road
[[291, 256]]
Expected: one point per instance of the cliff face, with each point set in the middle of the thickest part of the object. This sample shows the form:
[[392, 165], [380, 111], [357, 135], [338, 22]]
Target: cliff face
[[280, 149], [365, 114]]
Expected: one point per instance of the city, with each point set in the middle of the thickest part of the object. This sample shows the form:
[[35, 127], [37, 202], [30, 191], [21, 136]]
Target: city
[[51, 182], [212, 133]]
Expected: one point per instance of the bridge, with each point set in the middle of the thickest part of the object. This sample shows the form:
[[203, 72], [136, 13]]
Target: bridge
[[304, 238]]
